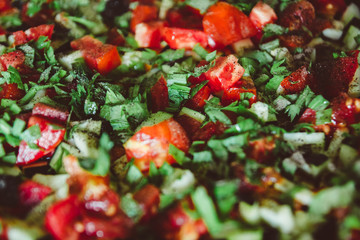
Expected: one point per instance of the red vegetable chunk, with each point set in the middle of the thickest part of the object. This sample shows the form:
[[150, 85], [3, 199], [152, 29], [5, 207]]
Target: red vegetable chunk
[[16, 59], [32, 193], [21, 37], [149, 35], [11, 91], [226, 24], [262, 14], [51, 136], [143, 13], [226, 72], [184, 38], [295, 82], [101, 57], [151, 144], [50, 112], [159, 95]]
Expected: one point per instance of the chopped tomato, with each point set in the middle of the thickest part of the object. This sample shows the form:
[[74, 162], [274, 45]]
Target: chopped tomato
[[4, 5], [11, 91], [115, 37], [332, 77], [159, 95], [190, 125], [184, 18], [346, 110], [151, 144], [101, 57], [297, 15], [50, 112], [295, 82], [226, 72], [329, 7], [143, 13], [309, 116], [21, 37], [149, 199], [262, 14], [149, 35], [261, 150], [233, 94], [51, 136], [43, 30], [226, 24], [61, 216], [207, 131], [197, 102], [184, 38], [31, 193], [16, 59], [295, 39]]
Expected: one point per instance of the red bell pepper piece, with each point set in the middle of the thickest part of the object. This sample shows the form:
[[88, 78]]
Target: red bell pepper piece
[[226, 24]]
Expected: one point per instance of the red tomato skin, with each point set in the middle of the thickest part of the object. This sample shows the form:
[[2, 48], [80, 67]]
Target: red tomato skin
[[31, 193], [296, 81], [226, 24], [184, 38], [233, 94], [16, 59], [197, 102], [19, 38], [60, 217], [5, 5], [50, 112], [101, 57], [149, 199], [11, 91], [115, 37], [143, 13], [226, 72], [149, 35], [159, 95], [151, 144], [49, 140], [43, 30], [262, 14], [346, 110], [309, 116]]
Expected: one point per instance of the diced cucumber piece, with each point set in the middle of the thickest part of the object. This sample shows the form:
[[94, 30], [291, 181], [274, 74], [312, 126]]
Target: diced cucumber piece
[[332, 33], [300, 139], [155, 119], [68, 60], [352, 11], [20, 230], [240, 46], [193, 114], [262, 111], [89, 125], [347, 155], [349, 39], [87, 143]]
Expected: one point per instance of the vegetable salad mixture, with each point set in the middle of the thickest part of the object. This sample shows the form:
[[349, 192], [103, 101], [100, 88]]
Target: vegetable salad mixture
[[179, 119]]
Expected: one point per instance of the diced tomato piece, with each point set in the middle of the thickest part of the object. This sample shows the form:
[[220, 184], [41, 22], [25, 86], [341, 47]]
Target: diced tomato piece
[[261, 150], [233, 94], [202, 77], [43, 30], [117, 227], [190, 125], [50, 112], [143, 13], [333, 77], [197, 102], [295, 39], [151, 144], [101, 57], [346, 110], [19, 38], [11, 91], [262, 14], [115, 37], [32, 193], [149, 35], [184, 18], [297, 15], [149, 199], [51, 136], [4, 5], [159, 95], [16, 59], [61, 216], [226, 24], [184, 38], [295, 82], [209, 130], [309, 116], [329, 7], [226, 72]]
